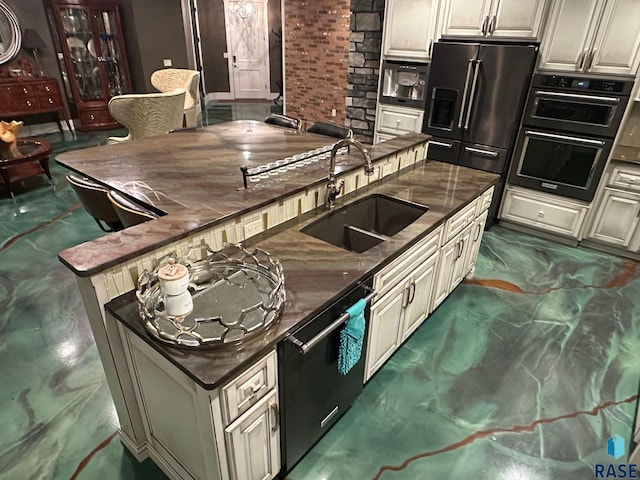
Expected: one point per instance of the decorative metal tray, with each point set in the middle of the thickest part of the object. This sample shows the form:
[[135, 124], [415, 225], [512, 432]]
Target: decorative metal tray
[[236, 294]]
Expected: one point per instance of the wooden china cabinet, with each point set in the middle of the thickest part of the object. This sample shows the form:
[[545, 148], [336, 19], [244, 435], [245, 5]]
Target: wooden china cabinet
[[88, 33]]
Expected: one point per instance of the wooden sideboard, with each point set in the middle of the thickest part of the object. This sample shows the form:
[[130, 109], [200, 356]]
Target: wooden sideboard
[[28, 96]]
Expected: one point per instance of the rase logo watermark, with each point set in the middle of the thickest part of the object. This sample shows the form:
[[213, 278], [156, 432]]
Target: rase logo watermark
[[616, 449]]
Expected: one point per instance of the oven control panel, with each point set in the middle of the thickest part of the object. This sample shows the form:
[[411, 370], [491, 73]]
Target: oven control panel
[[583, 83]]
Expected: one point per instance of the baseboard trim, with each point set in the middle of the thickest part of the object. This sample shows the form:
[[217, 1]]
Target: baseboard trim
[[572, 242]]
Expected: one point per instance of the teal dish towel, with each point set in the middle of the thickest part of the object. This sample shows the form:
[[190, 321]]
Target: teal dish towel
[[351, 337]]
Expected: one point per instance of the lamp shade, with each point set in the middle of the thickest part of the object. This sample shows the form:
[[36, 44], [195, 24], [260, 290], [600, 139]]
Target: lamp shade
[[32, 40]]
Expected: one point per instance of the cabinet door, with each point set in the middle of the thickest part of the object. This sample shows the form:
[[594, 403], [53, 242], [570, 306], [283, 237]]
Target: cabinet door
[[466, 17], [398, 120], [569, 34], [420, 294], [384, 328], [617, 43], [448, 255], [409, 28], [254, 441], [474, 248], [617, 217], [460, 262], [516, 19]]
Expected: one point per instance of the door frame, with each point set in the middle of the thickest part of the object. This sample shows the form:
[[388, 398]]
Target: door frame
[[266, 93]]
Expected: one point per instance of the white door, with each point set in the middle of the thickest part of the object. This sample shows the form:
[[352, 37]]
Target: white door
[[248, 48], [420, 293], [410, 28], [617, 217], [466, 17], [617, 44], [516, 19], [570, 30]]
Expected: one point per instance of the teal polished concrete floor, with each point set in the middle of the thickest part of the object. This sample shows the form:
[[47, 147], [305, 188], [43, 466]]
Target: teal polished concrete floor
[[524, 372]]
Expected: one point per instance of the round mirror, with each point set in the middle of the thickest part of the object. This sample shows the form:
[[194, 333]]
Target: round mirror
[[9, 33]]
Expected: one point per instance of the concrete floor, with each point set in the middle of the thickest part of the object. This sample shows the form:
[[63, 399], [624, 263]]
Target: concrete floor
[[524, 372]]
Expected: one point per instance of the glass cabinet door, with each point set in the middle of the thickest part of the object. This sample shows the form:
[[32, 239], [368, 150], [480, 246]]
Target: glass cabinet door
[[83, 55], [111, 56]]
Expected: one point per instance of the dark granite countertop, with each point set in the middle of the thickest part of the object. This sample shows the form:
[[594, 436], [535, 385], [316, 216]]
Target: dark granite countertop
[[316, 273], [193, 176]]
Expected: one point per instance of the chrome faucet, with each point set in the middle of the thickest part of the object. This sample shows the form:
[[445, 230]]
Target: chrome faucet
[[333, 189]]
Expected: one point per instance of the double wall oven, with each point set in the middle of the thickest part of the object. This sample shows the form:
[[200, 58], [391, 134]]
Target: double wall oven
[[567, 133]]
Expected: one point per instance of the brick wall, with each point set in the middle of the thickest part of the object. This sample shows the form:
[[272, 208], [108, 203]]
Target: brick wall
[[316, 58]]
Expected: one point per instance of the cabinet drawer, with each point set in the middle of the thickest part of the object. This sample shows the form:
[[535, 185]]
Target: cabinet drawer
[[485, 201], [96, 117], [21, 91], [50, 102], [246, 389], [543, 212], [399, 268], [627, 178], [47, 89], [392, 120], [459, 221]]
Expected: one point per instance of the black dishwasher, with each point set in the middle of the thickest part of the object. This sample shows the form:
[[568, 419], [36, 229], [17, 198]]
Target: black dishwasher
[[313, 395]]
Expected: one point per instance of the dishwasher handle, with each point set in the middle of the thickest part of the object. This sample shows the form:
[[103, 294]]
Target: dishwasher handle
[[304, 347]]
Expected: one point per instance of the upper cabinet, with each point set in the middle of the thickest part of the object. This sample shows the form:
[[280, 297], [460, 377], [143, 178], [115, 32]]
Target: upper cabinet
[[592, 36], [410, 29], [493, 18]]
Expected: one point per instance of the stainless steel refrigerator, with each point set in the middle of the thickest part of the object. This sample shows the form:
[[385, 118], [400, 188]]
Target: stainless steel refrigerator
[[476, 94]]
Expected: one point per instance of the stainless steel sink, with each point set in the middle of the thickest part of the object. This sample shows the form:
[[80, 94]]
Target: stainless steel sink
[[365, 223]]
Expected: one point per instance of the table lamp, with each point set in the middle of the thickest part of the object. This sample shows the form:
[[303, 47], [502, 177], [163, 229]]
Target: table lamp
[[32, 41]]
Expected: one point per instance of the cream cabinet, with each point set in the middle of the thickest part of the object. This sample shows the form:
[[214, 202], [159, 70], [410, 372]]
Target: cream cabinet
[[452, 265], [617, 217], [592, 36], [409, 29], [476, 239], [493, 18], [392, 120], [543, 211], [419, 290], [228, 433]]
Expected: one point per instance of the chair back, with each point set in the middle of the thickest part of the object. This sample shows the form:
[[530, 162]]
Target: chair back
[[169, 79], [95, 201], [283, 121], [148, 114], [129, 212], [330, 129]]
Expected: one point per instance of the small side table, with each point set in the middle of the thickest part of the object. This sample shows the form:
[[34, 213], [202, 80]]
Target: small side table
[[32, 151]]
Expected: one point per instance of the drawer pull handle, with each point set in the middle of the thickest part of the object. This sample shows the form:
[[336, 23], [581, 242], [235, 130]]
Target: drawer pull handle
[[46, 87], [478, 232], [28, 103], [405, 296], [92, 116], [25, 90], [412, 288], [276, 417], [51, 101], [461, 249]]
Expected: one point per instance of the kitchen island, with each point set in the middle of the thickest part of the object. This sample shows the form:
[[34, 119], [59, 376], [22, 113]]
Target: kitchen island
[[269, 216]]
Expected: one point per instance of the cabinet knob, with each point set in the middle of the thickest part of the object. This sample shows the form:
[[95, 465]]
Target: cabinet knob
[[51, 101], [25, 90], [92, 116], [541, 214], [28, 103], [46, 87]]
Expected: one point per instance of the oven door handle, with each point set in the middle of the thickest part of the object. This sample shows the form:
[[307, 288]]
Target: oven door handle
[[584, 141], [304, 347], [575, 96], [440, 144]]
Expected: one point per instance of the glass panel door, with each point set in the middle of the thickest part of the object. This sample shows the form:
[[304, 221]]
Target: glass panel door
[[85, 72], [110, 49]]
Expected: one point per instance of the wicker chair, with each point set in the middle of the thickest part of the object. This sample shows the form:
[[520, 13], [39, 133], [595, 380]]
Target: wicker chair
[[168, 79], [147, 114]]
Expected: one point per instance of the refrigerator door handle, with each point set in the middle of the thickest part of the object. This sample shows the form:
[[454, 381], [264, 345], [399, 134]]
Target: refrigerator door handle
[[465, 91], [478, 151], [492, 25], [474, 84], [484, 24]]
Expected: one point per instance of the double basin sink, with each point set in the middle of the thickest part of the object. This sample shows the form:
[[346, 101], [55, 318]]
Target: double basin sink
[[365, 223]]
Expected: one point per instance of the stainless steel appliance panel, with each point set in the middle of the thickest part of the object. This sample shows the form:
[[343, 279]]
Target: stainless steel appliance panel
[[443, 150], [404, 83], [565, 164], [483, 157], [497, 94], [449, 87], [313, 394]]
